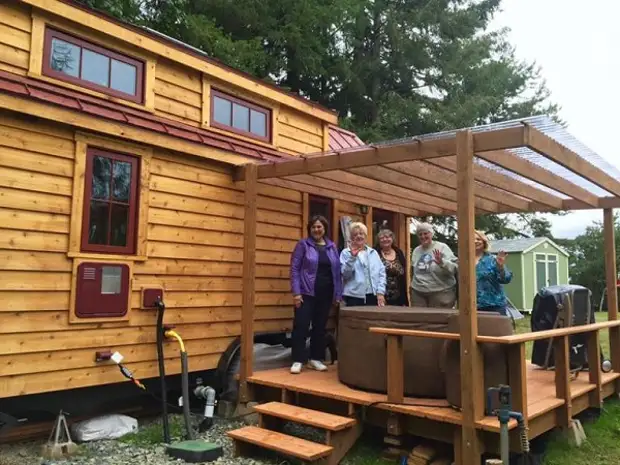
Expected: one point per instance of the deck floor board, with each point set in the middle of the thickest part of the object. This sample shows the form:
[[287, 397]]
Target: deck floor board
[[540, 393]]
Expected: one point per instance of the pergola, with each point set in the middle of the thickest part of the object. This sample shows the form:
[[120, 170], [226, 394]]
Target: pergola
[[529, 165]]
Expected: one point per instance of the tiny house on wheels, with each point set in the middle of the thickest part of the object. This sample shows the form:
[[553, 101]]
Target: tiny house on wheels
[[117, 152]]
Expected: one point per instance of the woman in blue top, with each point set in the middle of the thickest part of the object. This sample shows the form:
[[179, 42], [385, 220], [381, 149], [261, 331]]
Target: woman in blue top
[[491, 273]]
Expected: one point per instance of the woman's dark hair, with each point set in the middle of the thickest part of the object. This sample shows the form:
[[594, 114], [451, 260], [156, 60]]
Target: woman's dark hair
[[320, 219]]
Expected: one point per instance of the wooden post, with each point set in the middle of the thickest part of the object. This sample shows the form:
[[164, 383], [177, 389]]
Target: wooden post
[[562, 381], [249, 275], [612, 293], [335, 220], [395, 369], [408, 252], [470, 357], [368, 220]]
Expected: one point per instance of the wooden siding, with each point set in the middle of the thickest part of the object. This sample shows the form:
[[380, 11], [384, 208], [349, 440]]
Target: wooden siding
[[298, 133], [178, 93], [195, 239], [15, 28], [173, 90]]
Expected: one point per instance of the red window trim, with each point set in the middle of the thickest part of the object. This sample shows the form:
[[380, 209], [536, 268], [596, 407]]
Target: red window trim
[[244, 103], [130, 248], [48, 71]]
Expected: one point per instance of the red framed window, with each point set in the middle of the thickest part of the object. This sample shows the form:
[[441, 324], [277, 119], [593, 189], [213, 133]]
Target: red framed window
[[110, 202], [88, 65], [236, 115]]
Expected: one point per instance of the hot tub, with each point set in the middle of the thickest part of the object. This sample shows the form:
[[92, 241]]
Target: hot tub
[[430, 364]]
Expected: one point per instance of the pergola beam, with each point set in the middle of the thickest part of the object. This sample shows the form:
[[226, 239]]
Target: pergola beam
[[372, 155], [446, 177], [362, 192], [548, 147], [531, 171], [353, 180], [386, 175], [347, 197], [505, 183]]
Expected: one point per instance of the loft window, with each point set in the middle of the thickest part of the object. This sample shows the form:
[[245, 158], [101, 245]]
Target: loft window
[[110, 203], [236, 115], [85, 64]]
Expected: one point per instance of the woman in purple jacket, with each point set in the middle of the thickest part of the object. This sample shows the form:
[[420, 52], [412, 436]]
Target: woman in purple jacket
[[316, 284]]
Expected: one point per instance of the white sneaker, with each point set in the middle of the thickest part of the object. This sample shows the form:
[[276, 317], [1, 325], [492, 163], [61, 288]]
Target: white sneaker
[[296, 368], [316, 365]]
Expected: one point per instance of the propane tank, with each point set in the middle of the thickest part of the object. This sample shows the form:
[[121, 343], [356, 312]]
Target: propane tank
[[207, 393]]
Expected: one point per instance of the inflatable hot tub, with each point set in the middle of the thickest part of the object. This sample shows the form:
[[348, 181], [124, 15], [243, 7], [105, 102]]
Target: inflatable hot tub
[[431, 367]]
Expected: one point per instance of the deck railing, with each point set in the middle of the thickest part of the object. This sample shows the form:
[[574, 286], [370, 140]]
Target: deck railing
[[517, 374]]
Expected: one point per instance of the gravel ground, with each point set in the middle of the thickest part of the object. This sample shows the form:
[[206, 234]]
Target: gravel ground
[[143, 447]]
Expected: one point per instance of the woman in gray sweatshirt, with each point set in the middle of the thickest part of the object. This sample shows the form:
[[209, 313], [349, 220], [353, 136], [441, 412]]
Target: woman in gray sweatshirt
[[433, 282]]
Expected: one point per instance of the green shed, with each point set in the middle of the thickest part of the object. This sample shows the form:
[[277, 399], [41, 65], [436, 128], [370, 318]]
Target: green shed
[[535, 263]]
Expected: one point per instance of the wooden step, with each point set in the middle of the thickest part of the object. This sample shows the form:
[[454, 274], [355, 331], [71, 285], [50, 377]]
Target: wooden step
[[305, 416], [281, 443]]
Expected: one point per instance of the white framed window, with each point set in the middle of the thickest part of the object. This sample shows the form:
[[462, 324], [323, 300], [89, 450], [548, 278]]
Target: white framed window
[[546, 270]]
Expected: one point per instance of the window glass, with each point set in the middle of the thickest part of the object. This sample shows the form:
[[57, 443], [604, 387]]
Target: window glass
[[95, 67], [111, 279], [112, 203], [552, 258], [91, 66], [241, 117], [222, 111], [123, 77], [553, 273], [65, 57], [238, 116], [541, 274], [98, 226], [119, 224], [258, 123], [121, 181]]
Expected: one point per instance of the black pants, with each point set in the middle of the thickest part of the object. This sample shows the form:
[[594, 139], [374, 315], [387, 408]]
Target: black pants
[[371, 299], [313, 310]]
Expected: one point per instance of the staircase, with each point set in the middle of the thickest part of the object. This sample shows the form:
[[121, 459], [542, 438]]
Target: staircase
[[341, 434]]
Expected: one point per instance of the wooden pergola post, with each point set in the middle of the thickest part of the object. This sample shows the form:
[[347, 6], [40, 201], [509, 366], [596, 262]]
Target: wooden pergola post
[[611, 279], [470, 357], [249, 275]]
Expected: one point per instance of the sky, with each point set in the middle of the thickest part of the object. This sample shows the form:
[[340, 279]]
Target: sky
[[577, 46]]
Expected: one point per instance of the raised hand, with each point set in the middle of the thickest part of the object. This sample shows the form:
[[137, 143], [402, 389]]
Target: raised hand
[[501, 258], [438, 256]]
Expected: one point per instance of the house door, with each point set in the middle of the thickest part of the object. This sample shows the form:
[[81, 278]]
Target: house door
[[383, 219]]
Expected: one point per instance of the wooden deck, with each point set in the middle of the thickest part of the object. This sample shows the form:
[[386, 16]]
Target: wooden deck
[[541, 395]]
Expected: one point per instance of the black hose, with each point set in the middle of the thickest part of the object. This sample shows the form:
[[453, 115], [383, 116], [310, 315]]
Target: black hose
[[185, 388], [162, 369]]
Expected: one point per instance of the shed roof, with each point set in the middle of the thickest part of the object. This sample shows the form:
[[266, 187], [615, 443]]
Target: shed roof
[[520, 245]]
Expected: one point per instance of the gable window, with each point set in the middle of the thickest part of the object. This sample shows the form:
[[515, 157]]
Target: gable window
[[85, 64], [110, 203], [233, 114]]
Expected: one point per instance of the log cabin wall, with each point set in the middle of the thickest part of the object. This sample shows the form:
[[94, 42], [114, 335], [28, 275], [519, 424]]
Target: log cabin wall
[[189, 233]]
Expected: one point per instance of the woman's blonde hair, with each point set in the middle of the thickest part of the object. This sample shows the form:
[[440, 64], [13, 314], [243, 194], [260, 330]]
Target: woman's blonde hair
[[357, 225], [483, 237]]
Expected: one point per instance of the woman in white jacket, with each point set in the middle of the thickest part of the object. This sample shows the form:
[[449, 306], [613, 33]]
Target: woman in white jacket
[[363, 272]]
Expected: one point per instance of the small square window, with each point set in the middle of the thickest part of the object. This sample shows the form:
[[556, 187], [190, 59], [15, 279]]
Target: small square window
[[236, 115], [74, 60], [110, 203]]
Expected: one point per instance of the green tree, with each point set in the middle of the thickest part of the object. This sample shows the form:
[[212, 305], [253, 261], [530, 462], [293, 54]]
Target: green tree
[[587, 258]]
